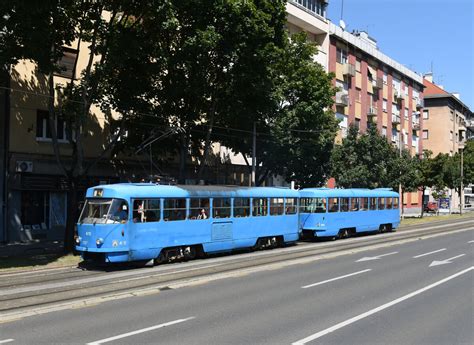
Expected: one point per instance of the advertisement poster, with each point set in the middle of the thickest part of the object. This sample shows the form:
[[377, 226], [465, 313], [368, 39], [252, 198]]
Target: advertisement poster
[[443, 205]]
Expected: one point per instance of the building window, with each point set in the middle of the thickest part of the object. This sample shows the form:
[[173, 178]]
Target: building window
[[452, 115], [384, 131], [67, 63], [315, 6], [341, 56], [43, 131], [406, 113], [357, 123], [384, 105], [425, 134], [426, 114], [451, 135], [385, 78], [358, 65], [357, 95]]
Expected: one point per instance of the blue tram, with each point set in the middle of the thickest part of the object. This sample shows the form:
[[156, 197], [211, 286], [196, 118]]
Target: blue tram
[[339, 213], [144, 221]]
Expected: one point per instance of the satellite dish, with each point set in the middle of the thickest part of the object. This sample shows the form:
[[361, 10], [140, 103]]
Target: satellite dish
[[342, 24]]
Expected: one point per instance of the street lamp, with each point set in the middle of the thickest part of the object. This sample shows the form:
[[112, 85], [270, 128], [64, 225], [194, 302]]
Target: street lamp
[[461, 148]]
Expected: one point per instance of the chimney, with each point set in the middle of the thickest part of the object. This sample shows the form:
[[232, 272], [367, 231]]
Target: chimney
[[429, 76]]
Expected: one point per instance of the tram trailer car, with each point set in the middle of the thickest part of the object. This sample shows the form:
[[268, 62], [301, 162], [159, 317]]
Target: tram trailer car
[[145, 221], [339, 213]]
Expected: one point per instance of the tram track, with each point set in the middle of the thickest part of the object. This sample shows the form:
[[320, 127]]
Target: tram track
[[167, 275]]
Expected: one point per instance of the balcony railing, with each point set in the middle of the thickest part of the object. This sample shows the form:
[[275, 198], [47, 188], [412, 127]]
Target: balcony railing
[[342, 98], [395, 119], [377, 83], [349, 70], [372, 111], [470, 123], [420, 103]]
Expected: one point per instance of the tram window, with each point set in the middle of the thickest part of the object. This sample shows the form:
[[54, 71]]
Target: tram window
[[306, 205], [395, 203], [174, 209], [221, 208], [146, 210], [381, 203], [364, 204], [354, 206], [373, 204], [259, 206], [276, 206], [333, 204], [389, 204], [290, 205], [199, 208], [344, 202], [320, 205], [241, 207]]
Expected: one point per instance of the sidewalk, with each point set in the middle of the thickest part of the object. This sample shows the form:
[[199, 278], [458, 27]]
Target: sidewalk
[[15, 250]]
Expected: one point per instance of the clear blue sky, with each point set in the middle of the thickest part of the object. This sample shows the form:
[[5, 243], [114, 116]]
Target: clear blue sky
[[417, 33]]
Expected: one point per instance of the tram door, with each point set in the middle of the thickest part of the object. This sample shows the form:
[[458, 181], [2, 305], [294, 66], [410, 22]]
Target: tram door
[[222, 225]]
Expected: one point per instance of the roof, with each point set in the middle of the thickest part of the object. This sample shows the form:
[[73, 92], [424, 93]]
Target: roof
[[354, 192], [150, 190], [433, 89]]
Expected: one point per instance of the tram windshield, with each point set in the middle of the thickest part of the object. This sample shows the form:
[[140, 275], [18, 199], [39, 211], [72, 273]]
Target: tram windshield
[[104, 211]]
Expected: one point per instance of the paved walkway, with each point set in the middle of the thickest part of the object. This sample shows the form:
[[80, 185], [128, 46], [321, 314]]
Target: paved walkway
[[30, 249]]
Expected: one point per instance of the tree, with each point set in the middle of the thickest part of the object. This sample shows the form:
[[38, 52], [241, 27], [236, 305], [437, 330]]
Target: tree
[[429, 174], [296, 134], [406, 174], [364, 160], [119, 37]]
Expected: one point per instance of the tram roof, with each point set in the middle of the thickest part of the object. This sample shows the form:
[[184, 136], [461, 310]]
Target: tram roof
[[150, 190], [353, 192]]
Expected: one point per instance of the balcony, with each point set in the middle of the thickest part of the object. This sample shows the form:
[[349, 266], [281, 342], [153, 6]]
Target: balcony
[[420, 103], [342, 98], [377, 84], [349, 70], [395, 119], [469, 124], [415, 125], [397, 96], [372, 111]]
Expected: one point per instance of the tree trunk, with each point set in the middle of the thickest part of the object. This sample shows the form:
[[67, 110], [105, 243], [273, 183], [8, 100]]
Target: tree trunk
[[182, 158], [72, 214], [207, 144]]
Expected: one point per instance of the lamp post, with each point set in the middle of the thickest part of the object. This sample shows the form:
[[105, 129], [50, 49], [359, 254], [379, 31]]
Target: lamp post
[[461, 148]]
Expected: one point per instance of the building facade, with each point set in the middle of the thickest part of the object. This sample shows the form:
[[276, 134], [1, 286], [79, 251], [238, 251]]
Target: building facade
[[447, 125], [375, 89]]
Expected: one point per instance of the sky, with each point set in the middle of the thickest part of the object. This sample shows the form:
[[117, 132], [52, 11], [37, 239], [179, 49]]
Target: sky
[[419, 34]]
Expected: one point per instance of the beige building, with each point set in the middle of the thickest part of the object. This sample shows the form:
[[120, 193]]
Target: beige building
[[446, 124], [444, 118]]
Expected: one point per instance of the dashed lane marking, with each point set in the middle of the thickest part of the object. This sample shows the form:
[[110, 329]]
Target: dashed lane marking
[[143, 330], [378, 309], [6, 341], [433, 252], [337, 278]]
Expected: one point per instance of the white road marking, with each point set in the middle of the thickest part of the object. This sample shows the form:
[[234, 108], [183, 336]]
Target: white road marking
[[471, 241], [98, 342], [444, 262], [376, 310], [333, 279], [436, 251], [369, 258], [6, 341]]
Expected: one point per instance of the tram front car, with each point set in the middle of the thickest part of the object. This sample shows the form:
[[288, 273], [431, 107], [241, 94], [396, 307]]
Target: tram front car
[[102, 229]]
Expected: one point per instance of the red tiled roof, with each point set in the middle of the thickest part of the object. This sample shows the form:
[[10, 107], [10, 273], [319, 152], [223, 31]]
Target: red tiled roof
[[432, 89]]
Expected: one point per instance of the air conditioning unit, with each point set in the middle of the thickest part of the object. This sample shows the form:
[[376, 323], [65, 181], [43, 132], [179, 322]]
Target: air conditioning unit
[[24, 166]]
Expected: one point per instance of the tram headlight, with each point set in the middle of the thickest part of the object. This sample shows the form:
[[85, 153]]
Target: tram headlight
[[99, 241], [78, 239]]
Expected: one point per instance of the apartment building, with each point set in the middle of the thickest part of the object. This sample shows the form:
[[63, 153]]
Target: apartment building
[[445, 119], [447, 123], [376, 90], [310, 16]]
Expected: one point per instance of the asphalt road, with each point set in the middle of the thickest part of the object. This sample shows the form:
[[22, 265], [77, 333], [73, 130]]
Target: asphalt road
[[419, 292]]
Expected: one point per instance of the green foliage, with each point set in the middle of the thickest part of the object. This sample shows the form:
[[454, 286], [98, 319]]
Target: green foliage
[[365, 161]]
